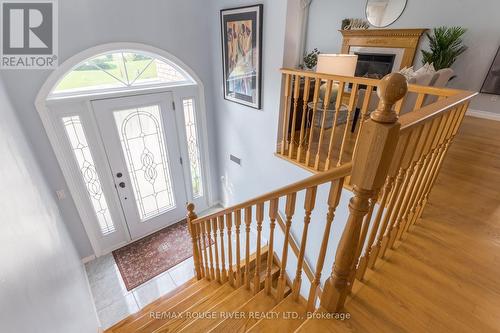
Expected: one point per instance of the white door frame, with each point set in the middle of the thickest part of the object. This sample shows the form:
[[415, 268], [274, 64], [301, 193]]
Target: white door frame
[[42, 104]]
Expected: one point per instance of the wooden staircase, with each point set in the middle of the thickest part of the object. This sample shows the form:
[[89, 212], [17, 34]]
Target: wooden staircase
[[212, 306], [394, 168]]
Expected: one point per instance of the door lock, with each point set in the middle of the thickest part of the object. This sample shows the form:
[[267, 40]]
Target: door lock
[[122, 185]]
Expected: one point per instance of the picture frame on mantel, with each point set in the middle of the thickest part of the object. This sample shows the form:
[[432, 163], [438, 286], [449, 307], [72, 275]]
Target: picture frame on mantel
[[241, 30]]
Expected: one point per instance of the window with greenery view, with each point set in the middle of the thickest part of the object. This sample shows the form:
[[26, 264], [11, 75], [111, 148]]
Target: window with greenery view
[[119, 69]]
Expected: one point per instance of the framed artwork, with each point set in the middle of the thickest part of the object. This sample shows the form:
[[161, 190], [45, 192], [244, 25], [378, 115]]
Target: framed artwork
[[491, 84], [242, 54]]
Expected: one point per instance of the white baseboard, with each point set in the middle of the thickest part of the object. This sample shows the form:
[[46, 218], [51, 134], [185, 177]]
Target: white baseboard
[[483, 114], [87, 259]]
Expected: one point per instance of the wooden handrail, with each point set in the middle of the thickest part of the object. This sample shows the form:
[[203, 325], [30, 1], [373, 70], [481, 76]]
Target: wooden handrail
[[441, 91], [314, 180], [431, 111]]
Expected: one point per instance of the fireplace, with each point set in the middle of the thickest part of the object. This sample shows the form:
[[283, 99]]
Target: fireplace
[[401, 42], [374, 65]]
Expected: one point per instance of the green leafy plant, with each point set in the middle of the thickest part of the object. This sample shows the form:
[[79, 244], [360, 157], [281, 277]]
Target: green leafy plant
[[445, 45], [311, 59]]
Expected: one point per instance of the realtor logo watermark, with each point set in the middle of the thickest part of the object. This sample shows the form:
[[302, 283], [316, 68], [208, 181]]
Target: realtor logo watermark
[[29, 34]]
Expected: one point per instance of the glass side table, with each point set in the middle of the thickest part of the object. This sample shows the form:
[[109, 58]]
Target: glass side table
[[330, 115]]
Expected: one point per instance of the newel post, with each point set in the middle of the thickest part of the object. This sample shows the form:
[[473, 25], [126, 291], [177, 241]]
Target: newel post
[[191, 215], [376, 147]]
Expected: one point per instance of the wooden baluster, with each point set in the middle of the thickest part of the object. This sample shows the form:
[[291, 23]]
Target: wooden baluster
[[456, 126], [209, 236], [223, 272], [364, 112], [326, 102], [422, 168], [191, 215], [229, 225], [402, 180], [393, 183], [205, 256], [363, 263], [415, 175], [410, 179], [259, 215], [352, 103], [419, 102], [430, 169], [273, 214], [362, 239], [338, 105], [200, 249], [248, 221], [237, 222], [296, 90], [305, 99], [317, 85], [457, 120], [309, 202], [370, 168], [333, 201], [216, 250], [289, 211], [454, 123], [286, 106]]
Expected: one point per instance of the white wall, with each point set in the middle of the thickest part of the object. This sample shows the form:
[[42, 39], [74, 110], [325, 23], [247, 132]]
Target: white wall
[[177, 26], [251, 134], [479, 17], [245, 132], [43, 286]]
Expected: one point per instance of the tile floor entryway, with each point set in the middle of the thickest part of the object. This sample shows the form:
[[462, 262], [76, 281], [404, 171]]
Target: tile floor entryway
[[114, 302]]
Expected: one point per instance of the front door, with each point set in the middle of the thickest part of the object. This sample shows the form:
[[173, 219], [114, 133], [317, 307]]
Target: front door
[[140, 139]]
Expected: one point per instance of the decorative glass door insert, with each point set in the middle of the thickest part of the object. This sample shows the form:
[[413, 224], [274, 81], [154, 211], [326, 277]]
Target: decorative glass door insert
[[139, 135], [81, 153], [143, 143]]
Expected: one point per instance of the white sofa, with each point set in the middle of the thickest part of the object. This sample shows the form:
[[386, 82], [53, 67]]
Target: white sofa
[[437, 79]]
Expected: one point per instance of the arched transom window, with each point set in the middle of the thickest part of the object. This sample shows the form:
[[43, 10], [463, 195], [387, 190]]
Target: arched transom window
[[121, 70]]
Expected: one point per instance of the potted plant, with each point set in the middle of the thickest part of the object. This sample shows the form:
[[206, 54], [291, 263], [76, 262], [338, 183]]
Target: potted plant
[[445, 45], [311, 59]]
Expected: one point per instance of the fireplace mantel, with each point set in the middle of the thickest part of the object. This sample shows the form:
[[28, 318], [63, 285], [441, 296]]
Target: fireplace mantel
[[406, 39]]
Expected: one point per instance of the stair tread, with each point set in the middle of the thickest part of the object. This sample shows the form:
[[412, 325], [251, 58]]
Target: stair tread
[[188, 301], [208, 302], [263, 273], [135, 321], [279, 322], [228, 305], [258, 303], [316, 324]]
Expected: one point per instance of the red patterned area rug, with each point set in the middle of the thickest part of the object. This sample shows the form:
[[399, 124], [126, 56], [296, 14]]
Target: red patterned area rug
[[150, 256]]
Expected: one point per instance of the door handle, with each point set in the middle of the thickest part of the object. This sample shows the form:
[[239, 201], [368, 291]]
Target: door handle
[[122, 185]]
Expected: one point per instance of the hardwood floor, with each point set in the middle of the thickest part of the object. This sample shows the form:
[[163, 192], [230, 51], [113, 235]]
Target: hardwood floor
[[444, 276]]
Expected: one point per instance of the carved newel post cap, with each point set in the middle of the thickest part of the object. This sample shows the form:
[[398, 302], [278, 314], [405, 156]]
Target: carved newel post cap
[[191, 215], [390, 89]]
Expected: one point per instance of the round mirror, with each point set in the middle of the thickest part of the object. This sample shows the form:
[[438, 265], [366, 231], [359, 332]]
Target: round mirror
[[381, 13]]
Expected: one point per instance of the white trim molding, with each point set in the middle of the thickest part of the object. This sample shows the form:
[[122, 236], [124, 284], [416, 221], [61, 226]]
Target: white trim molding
[[305, 5], [483, 114], [88, 259]]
